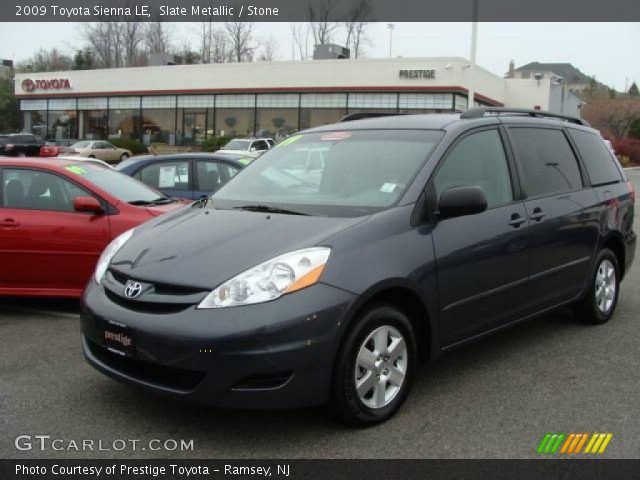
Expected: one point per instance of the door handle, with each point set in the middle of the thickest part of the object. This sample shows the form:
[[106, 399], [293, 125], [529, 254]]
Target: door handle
[[9, 222], [516, 220], [538, 214]]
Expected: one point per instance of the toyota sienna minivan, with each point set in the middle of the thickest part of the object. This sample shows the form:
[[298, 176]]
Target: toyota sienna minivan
[[419, 233]]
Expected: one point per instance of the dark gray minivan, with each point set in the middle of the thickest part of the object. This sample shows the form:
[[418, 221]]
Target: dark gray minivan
[[323, 271]]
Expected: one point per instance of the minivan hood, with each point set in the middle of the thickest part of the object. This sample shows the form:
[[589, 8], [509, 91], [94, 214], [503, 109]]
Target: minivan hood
[[204, 247]]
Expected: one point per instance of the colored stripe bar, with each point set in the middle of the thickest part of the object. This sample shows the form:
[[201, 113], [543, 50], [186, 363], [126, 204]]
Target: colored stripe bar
[[594, 437], [606, 441], [543, 443], [555, 447], [581, 443], [565, 447]]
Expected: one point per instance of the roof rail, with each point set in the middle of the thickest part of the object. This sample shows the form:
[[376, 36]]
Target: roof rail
[[363, 115], [479, 112]]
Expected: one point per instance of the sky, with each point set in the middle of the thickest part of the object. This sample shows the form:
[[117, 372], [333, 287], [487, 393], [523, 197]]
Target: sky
[[607, 50]]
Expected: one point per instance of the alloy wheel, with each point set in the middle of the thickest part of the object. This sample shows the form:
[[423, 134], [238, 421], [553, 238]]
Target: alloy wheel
[[381, 367], [605, 291]]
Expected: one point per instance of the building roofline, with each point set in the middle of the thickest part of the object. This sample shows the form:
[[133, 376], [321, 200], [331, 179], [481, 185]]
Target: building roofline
[[348, 89]]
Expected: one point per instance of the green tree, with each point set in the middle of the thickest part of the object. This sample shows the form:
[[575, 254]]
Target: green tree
[[634, 129], [9, 114], [84, 60], [633, 90]]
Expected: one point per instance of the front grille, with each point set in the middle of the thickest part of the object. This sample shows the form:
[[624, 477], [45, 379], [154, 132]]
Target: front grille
[[159, 288], [146, 307], [161, 375]]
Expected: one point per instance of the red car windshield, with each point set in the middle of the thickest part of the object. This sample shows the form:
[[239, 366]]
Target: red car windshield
[[117, 184]]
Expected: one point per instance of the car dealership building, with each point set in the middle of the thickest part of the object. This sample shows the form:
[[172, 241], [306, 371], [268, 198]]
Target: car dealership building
[[183, 104]]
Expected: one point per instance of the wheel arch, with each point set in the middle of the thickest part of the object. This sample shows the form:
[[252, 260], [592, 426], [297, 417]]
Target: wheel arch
[[615, 243], [406, 298]]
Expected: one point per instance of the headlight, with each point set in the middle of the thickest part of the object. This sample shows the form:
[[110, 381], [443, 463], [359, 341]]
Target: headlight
[[108, 253], [270, 280]]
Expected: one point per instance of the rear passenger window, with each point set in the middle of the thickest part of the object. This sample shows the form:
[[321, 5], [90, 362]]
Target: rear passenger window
[[596, 157], [478, 160], [169, 175], [546, 161]]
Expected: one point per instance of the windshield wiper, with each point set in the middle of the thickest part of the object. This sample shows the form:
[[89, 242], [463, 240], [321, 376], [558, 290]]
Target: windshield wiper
[[157, 201], [140, 202], [268, 209]]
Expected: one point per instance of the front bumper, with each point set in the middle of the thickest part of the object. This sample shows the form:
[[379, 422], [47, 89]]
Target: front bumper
[[277, 354]]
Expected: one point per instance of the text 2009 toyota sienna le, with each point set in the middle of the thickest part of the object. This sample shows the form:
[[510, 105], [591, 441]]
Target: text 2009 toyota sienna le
[[326, 268]]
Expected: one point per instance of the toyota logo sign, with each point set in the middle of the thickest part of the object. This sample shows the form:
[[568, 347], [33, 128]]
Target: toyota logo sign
[[132, 289], [28, 85]]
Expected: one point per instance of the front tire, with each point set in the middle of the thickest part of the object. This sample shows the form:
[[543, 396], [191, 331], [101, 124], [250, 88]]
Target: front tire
[[375, 367], [600, 302]]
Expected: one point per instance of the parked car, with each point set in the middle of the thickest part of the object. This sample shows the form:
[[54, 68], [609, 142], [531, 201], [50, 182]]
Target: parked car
[[185, 175], [20, 145], [54, 150], [252, 147], [57, 216], [421, 234], [100, 149]]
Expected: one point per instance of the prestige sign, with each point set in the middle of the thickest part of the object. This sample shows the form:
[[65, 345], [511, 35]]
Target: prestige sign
[[29, 85], [413, 73]]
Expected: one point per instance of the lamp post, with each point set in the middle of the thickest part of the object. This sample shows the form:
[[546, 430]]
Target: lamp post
[[390, 26], [472, 66]]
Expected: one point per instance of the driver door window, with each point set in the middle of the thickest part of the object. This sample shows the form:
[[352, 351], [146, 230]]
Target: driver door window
[[477, 160]]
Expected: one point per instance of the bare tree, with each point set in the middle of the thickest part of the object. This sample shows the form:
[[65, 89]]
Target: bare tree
[[115, 44], [612, 116], [240, 38], [320, 14], [205, 31], [358, 16], [157, 37], [46, 61], [268, 49], [359, 39], [300, 34], [220, 49]]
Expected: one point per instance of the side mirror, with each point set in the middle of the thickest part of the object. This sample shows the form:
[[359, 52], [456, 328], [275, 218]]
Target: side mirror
[[87, 204], [459, 201]]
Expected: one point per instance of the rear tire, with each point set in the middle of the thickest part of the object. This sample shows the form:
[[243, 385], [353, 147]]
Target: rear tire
[[374, 367], [92, 156], [124, 157], [600, 302]]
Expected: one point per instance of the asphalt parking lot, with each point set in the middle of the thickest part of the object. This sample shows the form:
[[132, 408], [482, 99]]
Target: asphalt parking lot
[[493, 399]]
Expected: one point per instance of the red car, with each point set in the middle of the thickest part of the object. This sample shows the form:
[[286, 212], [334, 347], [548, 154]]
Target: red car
[[56, 218]]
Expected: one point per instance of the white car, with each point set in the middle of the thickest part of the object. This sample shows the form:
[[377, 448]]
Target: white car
[[250, 147], [101, 150]]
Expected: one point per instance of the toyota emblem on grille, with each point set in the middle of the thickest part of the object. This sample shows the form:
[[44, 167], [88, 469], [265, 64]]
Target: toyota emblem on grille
[[132, 289]]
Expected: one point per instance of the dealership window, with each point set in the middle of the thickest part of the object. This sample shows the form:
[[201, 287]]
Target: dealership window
[[34, 117], [277, 115], [461, 103], [425, 102], [321, 108], [92, 118], [159, 120], [373, 102], [62, 119], [193, 113], [124, 118], [235, 115]]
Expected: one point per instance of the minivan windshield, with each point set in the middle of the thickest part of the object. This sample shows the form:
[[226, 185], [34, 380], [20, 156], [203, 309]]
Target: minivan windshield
[[332, 173]]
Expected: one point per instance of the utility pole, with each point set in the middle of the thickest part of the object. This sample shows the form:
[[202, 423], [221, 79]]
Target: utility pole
[[390, 26], [472, 67]]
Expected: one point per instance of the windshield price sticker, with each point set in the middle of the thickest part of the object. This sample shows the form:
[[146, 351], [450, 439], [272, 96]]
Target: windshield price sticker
[[75, 169], [335, 136]]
